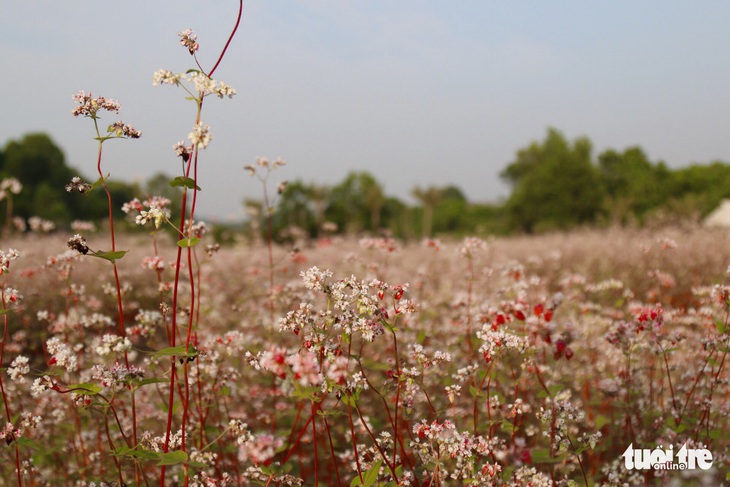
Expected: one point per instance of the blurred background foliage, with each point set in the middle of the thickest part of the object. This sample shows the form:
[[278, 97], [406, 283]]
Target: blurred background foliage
[[555, 184]]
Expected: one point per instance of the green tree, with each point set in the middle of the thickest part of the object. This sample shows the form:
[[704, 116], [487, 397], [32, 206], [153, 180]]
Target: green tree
[[451, 213], [429, 198], [555, 185], [356, 204], [699, 188], [634, 185], [40, 166], [296, 207]]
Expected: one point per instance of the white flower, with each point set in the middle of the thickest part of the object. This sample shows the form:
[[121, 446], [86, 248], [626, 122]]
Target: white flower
[[164, 76], [200, 135], [62, 355], [202, 83], [222, 89], [155, 214], [18, 368]]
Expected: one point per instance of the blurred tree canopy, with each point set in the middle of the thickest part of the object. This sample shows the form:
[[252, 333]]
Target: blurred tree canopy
[[40, 166], [556, 184]]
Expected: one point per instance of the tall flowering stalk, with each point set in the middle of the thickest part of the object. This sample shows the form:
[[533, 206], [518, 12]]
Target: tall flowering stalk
[[8, 188], [261, 171], [198, 84], [90, 107], [8, 296]]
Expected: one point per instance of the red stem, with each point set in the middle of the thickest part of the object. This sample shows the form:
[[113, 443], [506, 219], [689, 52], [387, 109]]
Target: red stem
[[230, 38]]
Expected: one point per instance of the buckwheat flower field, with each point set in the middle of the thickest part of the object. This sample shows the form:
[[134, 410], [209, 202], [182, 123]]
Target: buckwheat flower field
[[517, 361], [145, 352]]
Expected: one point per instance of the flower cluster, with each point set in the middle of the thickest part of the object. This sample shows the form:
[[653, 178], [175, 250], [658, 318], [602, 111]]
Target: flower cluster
[[561, 415], [124, 131], [240, 431], [263, 163], [472, 246], [496, 341], [18, 369], [118, 375], [89, 106], [183, 151], [79, 185], [9, 186], [61, 354], [201, 83], [440, 442], [200, 136], [6, 258], [40, 225], [189, 39], [156, 210], [78, 243], [112, 344]]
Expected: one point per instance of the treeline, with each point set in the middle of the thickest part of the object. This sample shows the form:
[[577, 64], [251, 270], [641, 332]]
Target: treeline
[[359, 205], [38, 169], [556, 184]]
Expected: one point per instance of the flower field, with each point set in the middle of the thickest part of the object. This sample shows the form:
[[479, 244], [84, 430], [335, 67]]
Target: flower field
[[516, 361], [159, 356]]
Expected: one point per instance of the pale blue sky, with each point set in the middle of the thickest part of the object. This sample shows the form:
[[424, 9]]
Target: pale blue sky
[[416, 92]]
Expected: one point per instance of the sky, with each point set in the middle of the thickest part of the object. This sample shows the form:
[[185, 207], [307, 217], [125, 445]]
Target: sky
[[416, 92]]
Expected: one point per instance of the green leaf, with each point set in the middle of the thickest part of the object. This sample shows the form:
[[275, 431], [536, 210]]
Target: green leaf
[[507, 426], [553, 389], [109, 255], [371, 476], [199, 465], [180, 351], [720, 325], [356, 481], [125, 451], [602, 421], [172, 458], [85, 388], [99, 182], [28, 443], [184, 182], [188, 242], [151, 380], [543, 456]]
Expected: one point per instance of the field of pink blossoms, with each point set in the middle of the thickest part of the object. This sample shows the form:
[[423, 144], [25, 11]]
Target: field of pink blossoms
[[589, 358], [525, 361]]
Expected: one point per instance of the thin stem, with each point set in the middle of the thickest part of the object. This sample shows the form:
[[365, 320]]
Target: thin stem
[[669, 378], [354, 441], [230, 38], [580, 462], [314, 443], [332, 450]]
